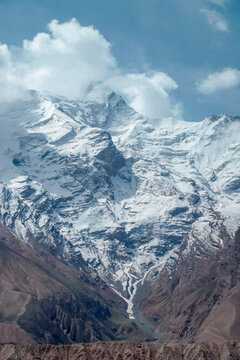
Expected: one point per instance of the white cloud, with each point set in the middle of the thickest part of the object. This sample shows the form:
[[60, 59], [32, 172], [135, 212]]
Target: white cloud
[[67, 60], [71, 60], [215, 20], [225, 79]]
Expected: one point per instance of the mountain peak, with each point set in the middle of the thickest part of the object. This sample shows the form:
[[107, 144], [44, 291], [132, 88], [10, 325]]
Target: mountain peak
[[120, 190]]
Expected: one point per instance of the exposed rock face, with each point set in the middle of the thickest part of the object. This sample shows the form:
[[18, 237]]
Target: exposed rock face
[[123, 351], [198, 301], [43, 300]]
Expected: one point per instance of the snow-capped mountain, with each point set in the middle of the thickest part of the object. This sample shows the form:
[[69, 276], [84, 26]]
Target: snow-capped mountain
[[97, 180]]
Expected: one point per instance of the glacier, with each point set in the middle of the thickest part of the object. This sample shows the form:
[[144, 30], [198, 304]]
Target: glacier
[[96, 180]]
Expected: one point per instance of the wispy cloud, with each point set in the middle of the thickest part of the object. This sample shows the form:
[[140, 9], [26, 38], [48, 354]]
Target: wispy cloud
[[222, 80], [221, 3], [215, 20]]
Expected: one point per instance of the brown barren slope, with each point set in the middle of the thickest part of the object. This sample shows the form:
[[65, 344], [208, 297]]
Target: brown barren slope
[[122, 351], [42, 300], [200, 301]]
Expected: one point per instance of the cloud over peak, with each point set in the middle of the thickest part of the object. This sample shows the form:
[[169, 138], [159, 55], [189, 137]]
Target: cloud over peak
[[72, 60], [67, 60], [146, 93]]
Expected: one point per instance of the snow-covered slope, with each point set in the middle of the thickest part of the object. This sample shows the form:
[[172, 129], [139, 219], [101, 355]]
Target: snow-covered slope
[[100, 181]]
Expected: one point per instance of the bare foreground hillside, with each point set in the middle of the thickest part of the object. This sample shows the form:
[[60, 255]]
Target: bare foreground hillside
[[122, 351]]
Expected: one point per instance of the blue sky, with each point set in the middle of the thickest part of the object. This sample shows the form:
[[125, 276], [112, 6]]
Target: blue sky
[[192, 41]]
